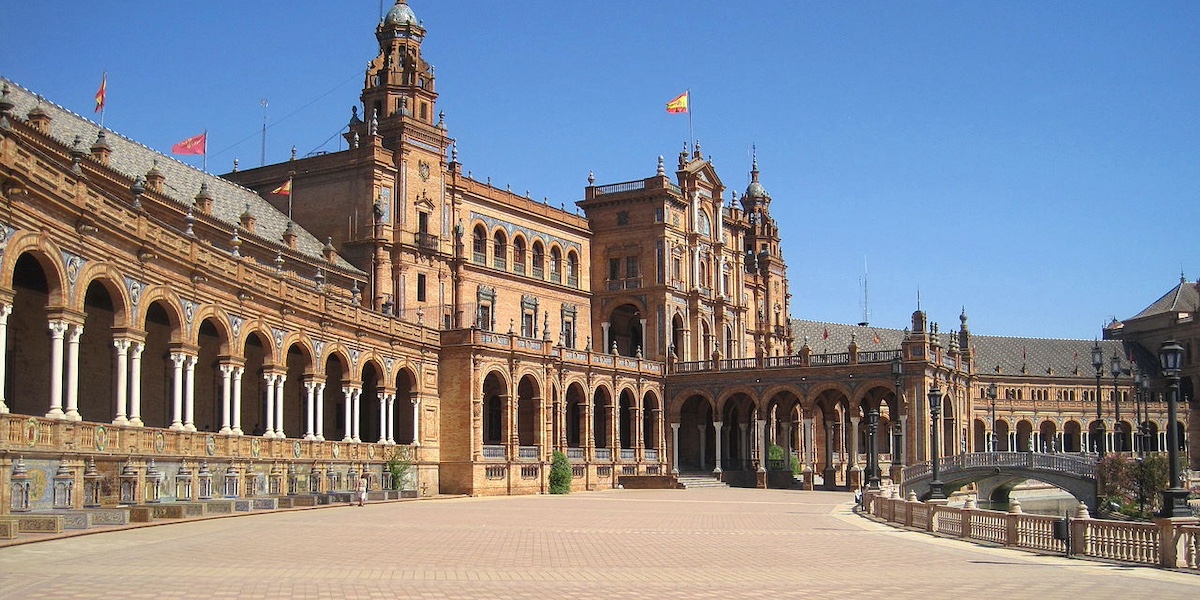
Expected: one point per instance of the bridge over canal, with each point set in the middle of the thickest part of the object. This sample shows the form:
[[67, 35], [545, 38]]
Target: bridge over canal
[[996, 473]]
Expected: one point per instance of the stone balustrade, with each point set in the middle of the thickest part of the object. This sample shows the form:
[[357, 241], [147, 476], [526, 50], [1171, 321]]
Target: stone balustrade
[[1170, 543]]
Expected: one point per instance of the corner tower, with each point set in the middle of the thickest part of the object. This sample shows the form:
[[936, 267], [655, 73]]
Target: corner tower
[[399, 86]]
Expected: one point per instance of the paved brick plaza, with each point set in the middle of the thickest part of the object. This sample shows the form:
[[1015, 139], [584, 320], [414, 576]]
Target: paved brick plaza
[[721, 543]]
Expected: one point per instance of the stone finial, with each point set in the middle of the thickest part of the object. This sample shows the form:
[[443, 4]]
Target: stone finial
[[189, 223], [204, 199], [1014, 506], [970, 504], [100, 149], [613, 350], [661, 169], [328, 250], [235, 244], [289, 235], [235, 165], [278, 262], [912, 496], [1081, 511], [591, 178]]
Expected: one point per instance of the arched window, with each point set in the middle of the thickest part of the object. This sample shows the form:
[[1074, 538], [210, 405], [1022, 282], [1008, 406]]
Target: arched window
[[555, 265], [519, 255], [479, 246], [572, 269], [539, 261], [500, 251]]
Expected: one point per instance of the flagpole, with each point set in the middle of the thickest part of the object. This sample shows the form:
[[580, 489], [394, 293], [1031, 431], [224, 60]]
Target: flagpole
[[205, 159], [691, 134], [104, 104]]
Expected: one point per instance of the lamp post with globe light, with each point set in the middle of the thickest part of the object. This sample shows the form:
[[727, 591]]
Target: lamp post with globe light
[[936, 491], [1098, 364], [1174, 498]]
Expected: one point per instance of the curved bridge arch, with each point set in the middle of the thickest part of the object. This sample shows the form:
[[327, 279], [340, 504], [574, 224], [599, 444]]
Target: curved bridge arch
[[999, 471]]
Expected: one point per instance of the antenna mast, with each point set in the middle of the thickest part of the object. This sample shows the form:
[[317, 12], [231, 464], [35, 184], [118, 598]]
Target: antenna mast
[[866, 300]]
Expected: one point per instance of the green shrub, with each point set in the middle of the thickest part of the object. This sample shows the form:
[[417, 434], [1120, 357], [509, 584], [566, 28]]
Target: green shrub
[[560, 474], [398, 465]]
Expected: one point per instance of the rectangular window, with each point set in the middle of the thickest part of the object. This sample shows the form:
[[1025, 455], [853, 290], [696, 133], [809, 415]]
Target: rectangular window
[[423, 222], [485, 317], [420, 287], [614, 268], [631, 267], [527, 325]]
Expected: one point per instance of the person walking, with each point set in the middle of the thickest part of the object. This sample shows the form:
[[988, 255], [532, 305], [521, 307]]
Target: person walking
[[362, 489]]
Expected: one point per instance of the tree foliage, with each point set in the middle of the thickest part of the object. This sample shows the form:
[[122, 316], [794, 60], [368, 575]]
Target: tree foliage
[[560, 474]]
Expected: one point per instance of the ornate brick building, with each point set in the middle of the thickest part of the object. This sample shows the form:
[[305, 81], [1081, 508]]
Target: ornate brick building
[[173, 335]]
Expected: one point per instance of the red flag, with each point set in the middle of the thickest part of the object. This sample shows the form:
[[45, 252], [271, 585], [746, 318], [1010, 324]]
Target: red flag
[[825, 335], [192, 145], [876, 339], [102, 93], [283, 190]]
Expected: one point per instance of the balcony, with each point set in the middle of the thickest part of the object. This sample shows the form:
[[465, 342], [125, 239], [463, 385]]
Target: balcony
[[630, 283], [603, 453], [426, 241], [493, 452]]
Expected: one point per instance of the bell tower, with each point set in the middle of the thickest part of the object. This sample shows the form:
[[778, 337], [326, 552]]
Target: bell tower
[[399, 82]]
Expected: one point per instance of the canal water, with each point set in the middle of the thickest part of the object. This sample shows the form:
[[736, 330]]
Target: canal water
[[1036, 500]]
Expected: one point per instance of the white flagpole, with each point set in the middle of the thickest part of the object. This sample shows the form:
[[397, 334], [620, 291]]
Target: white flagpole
[[691, 134], [205, 160]]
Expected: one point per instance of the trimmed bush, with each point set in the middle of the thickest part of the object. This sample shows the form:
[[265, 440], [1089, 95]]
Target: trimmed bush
[[560, 474]]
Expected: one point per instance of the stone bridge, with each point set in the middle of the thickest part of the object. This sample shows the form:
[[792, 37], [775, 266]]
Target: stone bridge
[[996, 473]]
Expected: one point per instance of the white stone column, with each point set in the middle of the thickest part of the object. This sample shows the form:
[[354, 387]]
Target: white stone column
[[122, 347], [358, 414], [279, 432], [177, 391], [73, 335], [269, 430], [416, 402], [57, 329], [808, 434], [226, 387], [237, 399], [674, 448], [854, 442], [642, 342], [391, 419], [717, 425], [319, 434], [310, 401], [605, 345], [383, 402], [189, 392], [135, 383], [5, 310], [348, 393], [762, 445]]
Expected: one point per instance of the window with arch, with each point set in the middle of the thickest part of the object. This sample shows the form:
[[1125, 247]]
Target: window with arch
[[555, 265], [539, 260], [479, 246], [572, 269], [519, 255], [500, 250]]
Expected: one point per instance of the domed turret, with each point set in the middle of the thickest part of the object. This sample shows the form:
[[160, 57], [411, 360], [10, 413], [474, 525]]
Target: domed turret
[[755, 194], [400, 14]]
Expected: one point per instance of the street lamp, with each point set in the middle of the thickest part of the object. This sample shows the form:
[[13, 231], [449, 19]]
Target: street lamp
[[935, 411], [1139, 445], [1098, 364], [1174, 499], [991, 394], [872, 449], [1115, 369], [897, 427], [1143, 428]]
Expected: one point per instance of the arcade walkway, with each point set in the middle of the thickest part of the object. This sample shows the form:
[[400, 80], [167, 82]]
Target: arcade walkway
[[704, 543]]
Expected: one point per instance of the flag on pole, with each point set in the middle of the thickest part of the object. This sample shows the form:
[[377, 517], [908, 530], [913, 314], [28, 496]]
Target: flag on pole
[[679, 104], [825, 335], [192, 145], [876, 339], [102, 93], [284, 190]]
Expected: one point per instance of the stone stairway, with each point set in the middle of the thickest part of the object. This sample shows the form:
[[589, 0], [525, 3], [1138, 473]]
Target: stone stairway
[[700, 480]]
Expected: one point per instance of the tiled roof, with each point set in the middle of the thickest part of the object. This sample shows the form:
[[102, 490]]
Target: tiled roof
[[132, 159], [1182, 298], [1007, 356]]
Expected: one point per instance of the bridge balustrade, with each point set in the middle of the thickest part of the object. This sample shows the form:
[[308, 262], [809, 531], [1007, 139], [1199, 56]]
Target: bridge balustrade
[[1164, 543]]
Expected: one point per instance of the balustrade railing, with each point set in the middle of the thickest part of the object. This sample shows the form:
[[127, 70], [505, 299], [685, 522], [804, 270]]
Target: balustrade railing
[[492, 452], [1164, 543], [651, 454], [574, 454], [628, 454], [603, 453], [527, 452]]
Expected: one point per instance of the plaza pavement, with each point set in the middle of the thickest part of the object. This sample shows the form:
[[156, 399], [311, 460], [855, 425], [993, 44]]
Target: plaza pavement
[[703, 543]]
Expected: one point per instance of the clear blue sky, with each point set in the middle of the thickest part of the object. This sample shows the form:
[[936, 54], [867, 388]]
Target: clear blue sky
[[1037, 162]]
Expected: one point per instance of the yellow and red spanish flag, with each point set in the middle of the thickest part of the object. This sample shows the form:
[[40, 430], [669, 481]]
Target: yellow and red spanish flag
[[679, 104], [102, 93], [284, 190], [193, 145]]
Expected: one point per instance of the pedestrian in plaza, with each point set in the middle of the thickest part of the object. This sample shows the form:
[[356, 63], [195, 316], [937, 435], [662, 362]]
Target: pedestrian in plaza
[[362, 489]]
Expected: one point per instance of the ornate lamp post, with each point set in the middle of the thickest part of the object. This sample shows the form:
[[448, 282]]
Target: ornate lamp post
[[897, 428], [1174, 499], [1098, 364], [991, 394], [1115, 369], [935, 411], [872, 449], [1139, 445], [1143, 430]]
